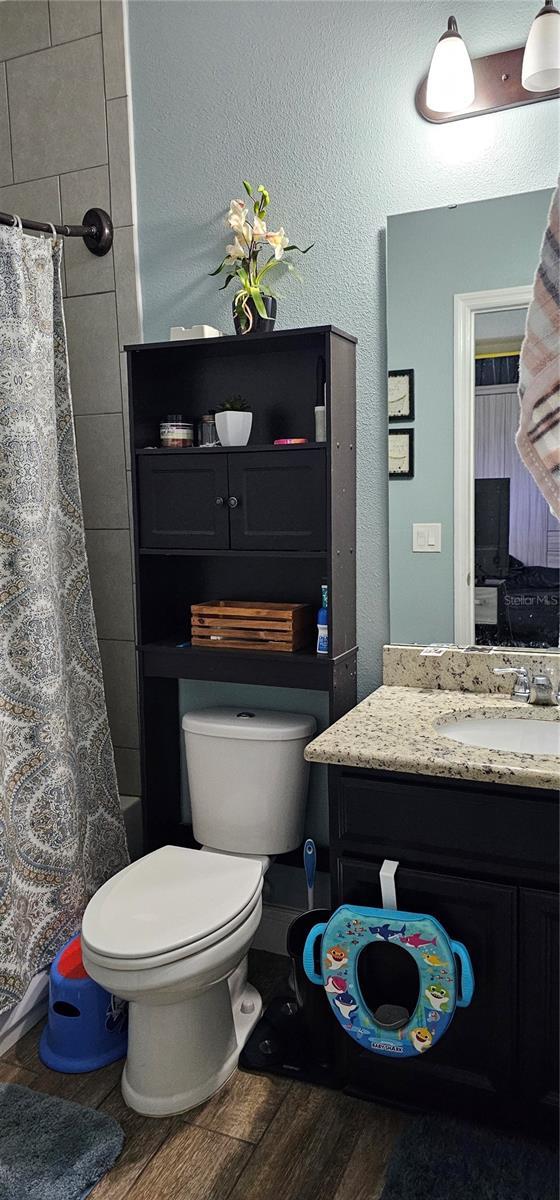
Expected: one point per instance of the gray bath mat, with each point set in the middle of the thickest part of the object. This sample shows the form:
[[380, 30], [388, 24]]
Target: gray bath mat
[[439, 1159], [51, 1149]]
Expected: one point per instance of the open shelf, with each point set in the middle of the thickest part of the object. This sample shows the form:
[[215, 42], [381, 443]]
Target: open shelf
[[229, 342], [288, 554], [228, 449], [302, 669]]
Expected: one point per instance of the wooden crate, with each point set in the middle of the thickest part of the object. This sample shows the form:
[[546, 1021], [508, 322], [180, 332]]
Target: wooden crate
[[249, 625]]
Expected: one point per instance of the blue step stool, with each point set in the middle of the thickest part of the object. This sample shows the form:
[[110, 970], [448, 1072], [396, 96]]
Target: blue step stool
[[86, 1027]]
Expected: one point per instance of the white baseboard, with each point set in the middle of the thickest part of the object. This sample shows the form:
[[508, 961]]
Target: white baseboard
[[273, 929], [24, 1015]]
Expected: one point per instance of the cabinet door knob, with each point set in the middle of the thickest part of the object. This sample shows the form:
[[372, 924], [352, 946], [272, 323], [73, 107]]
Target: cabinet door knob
[[219, 501], [233, 501]]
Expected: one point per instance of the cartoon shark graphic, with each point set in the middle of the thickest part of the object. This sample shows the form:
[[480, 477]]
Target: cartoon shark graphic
[[385, 932], [438, 997], [346, 1006], [421, 1039], [432, 1016], [336, 956], [434, 961], [335, 985], [416, 940]]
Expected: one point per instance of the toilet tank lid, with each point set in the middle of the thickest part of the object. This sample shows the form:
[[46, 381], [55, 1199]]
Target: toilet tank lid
[[257, 724]]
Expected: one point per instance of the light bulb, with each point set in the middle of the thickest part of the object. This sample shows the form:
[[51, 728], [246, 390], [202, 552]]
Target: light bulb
[[450, 79], [541, 61]]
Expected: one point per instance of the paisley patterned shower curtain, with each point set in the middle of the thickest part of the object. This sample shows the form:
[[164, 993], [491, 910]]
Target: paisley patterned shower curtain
[[61, 829]]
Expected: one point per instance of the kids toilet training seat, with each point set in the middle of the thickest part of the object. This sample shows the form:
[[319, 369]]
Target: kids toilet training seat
[[441, 990]]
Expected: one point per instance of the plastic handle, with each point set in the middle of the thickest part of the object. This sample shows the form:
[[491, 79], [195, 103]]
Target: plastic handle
[[465, 993], [309, 953], [310, 862]]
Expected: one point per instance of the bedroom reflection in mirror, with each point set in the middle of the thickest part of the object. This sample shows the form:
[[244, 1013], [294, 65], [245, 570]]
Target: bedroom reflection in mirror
[[517, 538]]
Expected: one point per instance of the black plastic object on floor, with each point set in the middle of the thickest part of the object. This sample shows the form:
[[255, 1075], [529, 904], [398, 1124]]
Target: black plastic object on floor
[[453, 1160], [296, 1035]]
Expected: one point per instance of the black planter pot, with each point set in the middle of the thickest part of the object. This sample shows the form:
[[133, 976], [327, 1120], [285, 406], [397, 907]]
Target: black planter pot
[[260, 324]]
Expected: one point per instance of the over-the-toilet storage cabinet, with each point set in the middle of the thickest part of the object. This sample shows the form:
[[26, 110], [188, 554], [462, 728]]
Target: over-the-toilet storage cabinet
[[258, 522]]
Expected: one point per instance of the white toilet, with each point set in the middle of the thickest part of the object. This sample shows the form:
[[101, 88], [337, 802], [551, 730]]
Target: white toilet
[[171, 932]]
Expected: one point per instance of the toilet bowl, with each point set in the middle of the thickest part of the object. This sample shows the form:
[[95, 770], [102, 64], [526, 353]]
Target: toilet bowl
[[167, 934], [171, 932]]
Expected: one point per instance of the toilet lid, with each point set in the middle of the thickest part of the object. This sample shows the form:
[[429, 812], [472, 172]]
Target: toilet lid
[[170, 899]]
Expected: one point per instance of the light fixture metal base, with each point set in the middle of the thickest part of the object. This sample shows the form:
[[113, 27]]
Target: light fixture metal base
[[497, 81]]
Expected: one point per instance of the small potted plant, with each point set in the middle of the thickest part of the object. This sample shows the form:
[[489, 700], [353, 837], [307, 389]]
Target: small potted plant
[[254, 303], [233, 422]]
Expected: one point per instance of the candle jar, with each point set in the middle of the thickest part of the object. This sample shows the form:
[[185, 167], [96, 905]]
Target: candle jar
[[175, 432]]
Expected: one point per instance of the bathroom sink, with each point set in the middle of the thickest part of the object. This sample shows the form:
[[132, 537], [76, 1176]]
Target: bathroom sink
[[523, 735]]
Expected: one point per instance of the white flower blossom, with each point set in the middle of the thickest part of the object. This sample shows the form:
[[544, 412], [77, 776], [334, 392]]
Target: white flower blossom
[[278, 241]]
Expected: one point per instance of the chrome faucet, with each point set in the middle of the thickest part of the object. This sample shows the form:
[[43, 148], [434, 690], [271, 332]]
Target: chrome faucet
[[538, 690]]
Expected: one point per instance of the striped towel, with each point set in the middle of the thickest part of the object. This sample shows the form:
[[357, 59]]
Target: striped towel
[[538, 436]]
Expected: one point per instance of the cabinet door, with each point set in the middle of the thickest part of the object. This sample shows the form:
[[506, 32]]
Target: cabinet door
[[538, 995], [280, 500], [183, 501], [474, 1063]]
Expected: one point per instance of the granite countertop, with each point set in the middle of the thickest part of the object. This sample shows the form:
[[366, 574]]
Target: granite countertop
[[395, 729]]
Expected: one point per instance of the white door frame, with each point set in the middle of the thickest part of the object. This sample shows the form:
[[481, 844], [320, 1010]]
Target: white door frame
[[466, 306]]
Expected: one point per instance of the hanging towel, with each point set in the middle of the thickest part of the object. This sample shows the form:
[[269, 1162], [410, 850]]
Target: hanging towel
[[538, 436]]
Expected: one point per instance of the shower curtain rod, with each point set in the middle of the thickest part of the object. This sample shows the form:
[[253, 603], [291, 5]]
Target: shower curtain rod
[[96, 229]]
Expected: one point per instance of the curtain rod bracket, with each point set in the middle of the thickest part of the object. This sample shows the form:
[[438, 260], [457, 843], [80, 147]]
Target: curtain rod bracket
[[100, 240]]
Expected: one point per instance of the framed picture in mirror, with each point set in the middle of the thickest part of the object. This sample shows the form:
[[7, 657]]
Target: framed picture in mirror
[[401, 454], [400, 395]]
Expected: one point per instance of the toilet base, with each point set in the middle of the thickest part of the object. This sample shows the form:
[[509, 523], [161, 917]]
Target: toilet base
[[173, 1064]]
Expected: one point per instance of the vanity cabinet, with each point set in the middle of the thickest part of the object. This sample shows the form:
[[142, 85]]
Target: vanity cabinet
[[235, 500], [538, 995], [468, 853]]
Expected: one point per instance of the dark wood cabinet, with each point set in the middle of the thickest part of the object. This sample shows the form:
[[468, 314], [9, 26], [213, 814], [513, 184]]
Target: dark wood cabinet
[[268, 500], [280, 504], [250, 523], [469, 854], [183, 501], [538, 995]]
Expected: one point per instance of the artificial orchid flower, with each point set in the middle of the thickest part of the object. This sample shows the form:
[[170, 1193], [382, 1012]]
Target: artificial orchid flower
[[241, 261], [237, 215], [259, 230], [278, 241], [235, 251]]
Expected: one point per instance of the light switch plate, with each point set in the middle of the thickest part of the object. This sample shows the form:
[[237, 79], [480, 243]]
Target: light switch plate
[[426, 538]]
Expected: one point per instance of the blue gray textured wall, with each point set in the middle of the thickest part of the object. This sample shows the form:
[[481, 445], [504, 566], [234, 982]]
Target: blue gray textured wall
[[317, 101], [435, 254]]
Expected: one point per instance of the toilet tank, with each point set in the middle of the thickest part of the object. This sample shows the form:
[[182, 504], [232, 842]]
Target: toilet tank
[[248, 778]]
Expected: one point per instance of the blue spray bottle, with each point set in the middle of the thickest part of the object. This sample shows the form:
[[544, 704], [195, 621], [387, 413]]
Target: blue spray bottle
[[323, 622]]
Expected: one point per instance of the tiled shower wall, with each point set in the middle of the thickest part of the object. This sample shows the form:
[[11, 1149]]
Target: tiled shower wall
[[65, 147]]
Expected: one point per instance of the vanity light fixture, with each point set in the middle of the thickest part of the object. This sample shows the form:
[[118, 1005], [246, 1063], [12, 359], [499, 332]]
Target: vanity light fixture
[[541, 61], [450, 86], [458, 86]]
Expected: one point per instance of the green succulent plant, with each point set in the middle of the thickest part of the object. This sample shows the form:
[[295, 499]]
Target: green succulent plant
[[236, 404]]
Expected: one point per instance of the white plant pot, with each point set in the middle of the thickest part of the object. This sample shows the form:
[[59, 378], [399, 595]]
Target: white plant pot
[[234, 428]]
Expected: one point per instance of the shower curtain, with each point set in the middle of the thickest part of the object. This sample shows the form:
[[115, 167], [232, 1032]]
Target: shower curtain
[[61, 829]]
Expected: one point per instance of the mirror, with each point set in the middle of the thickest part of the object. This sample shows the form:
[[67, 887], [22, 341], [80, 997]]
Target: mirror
[[474, 551]]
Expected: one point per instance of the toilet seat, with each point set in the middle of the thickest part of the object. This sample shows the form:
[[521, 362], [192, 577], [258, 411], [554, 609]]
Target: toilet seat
[[169, 905], [441, 989]]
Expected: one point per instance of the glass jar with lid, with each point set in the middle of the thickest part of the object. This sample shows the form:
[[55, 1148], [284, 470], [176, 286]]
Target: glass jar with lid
[[175, 432]]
